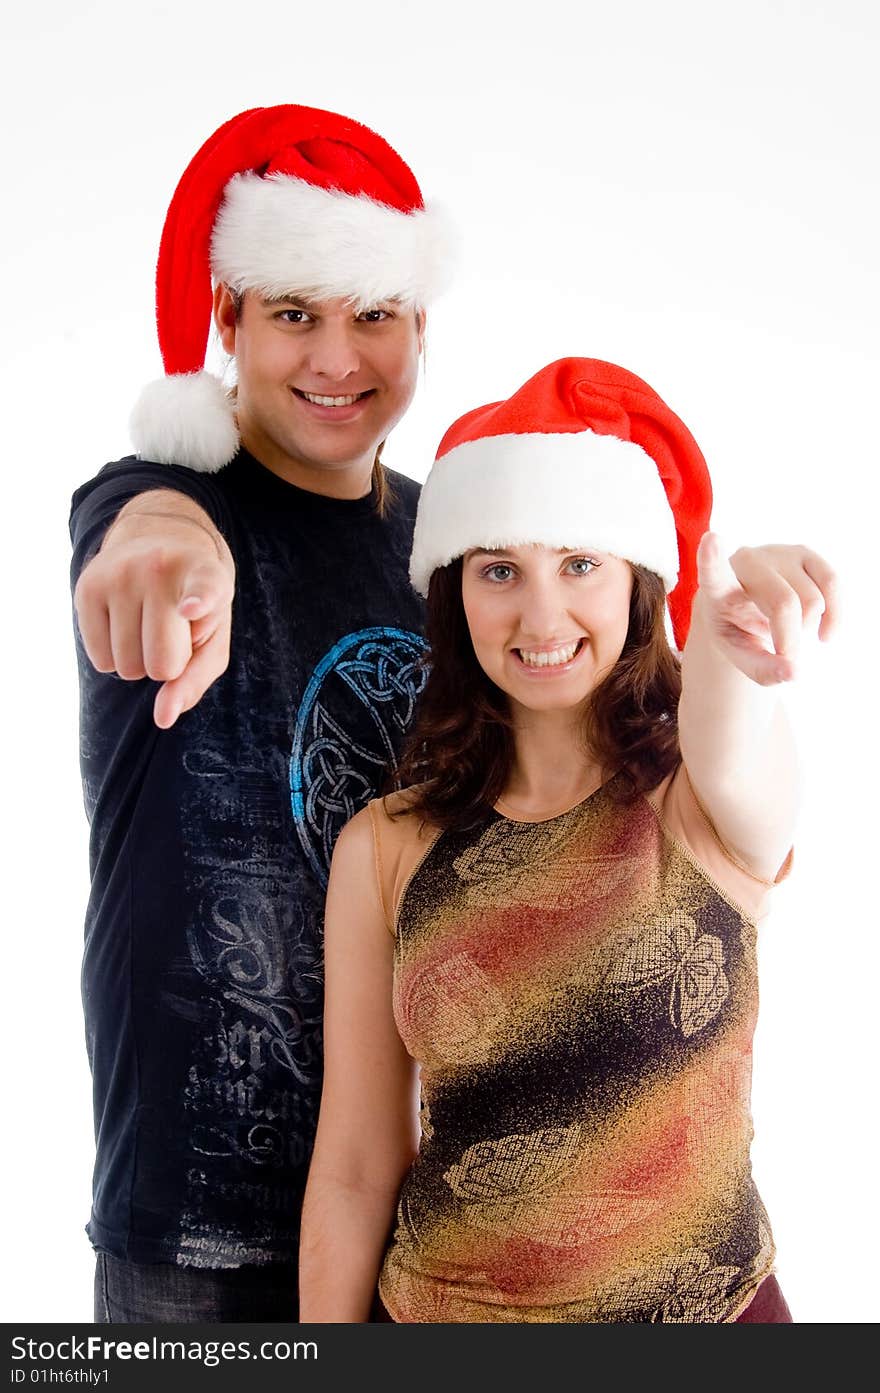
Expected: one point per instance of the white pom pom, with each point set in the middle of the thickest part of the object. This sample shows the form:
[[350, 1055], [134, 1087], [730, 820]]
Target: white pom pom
[[185, 419]]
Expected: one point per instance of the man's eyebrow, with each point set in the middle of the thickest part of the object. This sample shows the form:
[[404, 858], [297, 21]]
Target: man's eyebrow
[[299, 301]]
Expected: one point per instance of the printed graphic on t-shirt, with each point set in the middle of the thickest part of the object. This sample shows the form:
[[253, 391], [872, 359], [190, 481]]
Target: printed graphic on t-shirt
[[333, 773]]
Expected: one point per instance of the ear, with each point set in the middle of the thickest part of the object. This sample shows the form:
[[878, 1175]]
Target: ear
[[225, 318]]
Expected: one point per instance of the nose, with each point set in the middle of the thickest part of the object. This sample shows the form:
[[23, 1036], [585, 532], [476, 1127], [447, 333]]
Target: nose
[[333, 350], [542, 610]]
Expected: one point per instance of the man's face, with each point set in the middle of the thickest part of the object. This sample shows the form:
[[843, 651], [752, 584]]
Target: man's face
[[320, 385]]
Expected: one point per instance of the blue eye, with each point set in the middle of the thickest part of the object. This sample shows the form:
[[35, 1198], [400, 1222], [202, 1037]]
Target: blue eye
[[582, 565], [499, 571]]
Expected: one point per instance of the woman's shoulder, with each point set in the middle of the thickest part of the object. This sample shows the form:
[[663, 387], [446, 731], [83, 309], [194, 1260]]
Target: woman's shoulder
[[402, 836], [399, 804], [382, 816]]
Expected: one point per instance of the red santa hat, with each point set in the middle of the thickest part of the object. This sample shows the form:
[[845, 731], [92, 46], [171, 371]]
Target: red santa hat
[[280, 200], [585, 454]]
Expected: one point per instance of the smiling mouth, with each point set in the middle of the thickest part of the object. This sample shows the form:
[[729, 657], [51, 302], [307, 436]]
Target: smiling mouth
[[318, 400], [556, 657]]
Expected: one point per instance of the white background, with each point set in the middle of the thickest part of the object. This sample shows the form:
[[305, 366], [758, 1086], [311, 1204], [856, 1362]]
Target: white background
[[686, 188]]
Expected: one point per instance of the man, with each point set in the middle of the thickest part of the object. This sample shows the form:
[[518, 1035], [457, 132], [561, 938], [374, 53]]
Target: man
[[249, 655]]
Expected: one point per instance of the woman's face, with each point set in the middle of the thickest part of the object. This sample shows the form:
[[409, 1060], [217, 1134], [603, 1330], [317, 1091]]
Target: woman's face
[[546, 625]]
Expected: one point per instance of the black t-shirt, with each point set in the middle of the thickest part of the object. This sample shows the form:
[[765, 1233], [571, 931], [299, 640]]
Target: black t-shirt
[[210, 845]]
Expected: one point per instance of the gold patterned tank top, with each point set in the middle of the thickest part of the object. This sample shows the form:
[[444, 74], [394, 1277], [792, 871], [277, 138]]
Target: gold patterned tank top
[[581, 999]]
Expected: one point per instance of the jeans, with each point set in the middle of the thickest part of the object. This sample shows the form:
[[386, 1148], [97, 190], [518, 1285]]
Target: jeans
[[130, 1293]]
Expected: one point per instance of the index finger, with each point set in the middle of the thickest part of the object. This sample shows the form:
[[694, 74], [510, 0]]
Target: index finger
[[180, 694], [774, 596]]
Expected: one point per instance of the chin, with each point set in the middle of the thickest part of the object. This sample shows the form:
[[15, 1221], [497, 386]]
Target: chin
[[333, 453], [549, 704], [544, 699], [333, 459]]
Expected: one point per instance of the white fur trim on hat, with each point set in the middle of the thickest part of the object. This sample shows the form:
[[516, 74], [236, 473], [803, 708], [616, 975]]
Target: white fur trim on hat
[[279, 235], [554, 490], [187, 419]]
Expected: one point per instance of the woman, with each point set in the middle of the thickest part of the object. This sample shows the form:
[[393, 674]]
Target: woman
[[554, 925]]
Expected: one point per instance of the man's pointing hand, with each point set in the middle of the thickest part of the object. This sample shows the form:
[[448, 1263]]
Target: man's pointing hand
[[156, 601]]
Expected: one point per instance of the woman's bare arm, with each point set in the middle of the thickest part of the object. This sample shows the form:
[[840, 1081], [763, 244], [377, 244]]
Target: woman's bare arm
[[368, 1126], [748, 621]]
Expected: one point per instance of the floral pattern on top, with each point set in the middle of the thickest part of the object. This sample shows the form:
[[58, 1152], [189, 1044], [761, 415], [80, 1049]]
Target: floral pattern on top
[[673, 950]]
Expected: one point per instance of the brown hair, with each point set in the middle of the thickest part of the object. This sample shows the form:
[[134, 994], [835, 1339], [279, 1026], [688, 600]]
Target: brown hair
[[460, 751], [380, 484]]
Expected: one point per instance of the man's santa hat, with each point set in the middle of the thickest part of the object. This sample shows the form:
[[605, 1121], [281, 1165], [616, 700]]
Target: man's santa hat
[[279, 200], [585, 454]]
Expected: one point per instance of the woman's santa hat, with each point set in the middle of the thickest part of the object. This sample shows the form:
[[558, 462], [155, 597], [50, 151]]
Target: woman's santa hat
[[280, 200], [585, 454]]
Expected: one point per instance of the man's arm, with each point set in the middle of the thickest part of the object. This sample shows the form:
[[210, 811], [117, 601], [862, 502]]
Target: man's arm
[[156, 600]]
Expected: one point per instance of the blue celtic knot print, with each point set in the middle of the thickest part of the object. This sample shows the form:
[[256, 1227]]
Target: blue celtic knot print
[[339, 758]]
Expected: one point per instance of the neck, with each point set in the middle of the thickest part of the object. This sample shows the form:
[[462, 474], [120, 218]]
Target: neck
[[552, 768], [352, 479]]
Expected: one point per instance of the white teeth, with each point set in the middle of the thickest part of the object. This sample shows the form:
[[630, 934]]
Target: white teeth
[[552, 659], [332, 401]]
